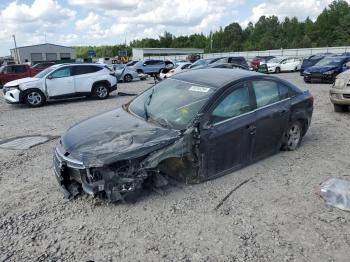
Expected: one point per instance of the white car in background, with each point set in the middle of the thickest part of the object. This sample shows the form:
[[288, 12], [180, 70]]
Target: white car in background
[[62, 81], [278, 64], [180, 66]]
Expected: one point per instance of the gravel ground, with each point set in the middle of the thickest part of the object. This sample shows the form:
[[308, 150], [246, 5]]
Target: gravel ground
[[276, 216]]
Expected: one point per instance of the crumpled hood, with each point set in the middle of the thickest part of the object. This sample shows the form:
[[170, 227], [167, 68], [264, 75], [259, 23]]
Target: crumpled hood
[[113, 136], [320, 69], [21, 81]]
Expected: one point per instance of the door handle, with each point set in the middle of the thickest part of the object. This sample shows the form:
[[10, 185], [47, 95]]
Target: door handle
[[282, 112], [252, 129]]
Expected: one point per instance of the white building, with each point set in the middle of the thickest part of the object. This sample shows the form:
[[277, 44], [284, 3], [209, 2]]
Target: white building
[[42, 52], [163, 53]]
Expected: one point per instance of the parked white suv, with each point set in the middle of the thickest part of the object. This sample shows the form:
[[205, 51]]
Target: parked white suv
[[62, 81]]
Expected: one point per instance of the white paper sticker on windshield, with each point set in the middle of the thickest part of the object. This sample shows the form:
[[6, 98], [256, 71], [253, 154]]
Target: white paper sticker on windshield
[[199, 89]]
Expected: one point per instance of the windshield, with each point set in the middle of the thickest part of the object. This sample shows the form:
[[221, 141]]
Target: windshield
[[159, 105], [199, 62], [330, 61], [119, 67], [45, 72]]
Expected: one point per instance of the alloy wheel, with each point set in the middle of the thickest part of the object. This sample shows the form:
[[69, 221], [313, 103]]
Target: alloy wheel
[[34, 98], [101, 91], [293, 136]]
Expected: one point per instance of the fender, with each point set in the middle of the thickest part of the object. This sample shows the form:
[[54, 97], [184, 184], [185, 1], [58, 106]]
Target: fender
[[23, 93], [101, 82]]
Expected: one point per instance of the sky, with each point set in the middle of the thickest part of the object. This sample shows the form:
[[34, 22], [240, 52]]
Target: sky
[[109, 22]]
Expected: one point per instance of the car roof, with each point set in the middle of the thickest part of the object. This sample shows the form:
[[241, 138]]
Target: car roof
[[214, 77]]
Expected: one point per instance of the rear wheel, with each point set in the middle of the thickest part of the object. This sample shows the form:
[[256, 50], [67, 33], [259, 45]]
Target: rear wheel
[[293, 136], [101, 91], [127, 78], [34, 98], [341, 108]]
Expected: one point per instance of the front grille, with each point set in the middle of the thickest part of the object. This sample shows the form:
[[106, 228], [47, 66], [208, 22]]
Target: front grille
[[346, 96]]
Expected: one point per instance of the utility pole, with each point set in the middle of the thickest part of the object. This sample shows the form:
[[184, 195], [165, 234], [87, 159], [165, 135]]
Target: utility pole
[[16, 50]]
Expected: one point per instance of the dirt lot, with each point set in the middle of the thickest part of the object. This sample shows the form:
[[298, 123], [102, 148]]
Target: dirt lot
[[276, 216]]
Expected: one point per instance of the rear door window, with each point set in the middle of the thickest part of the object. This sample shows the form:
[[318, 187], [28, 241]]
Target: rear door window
[[20, 69], [81, 70], [269, 92]]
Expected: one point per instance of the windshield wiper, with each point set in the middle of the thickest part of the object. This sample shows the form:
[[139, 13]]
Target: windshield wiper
[[147, 102], [163, 122]]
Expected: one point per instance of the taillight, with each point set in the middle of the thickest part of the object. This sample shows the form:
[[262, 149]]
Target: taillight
[[312, 99]]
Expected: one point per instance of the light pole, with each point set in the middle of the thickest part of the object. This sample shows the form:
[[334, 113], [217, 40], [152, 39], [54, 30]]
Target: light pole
[[16, 50]]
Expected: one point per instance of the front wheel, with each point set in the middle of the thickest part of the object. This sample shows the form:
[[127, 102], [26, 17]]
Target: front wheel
[[277, 70], [101, 91], [292, 137], [127, 78], [34, 98]]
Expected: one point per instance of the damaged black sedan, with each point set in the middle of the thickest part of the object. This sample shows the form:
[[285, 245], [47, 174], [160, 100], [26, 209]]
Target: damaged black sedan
[[192, 127]]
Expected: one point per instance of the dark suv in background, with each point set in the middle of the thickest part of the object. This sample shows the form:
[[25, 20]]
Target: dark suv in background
[[234, 60]]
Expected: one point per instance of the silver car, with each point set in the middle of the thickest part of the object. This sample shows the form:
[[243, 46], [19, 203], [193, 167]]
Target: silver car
[[340, 92], [124, 73]]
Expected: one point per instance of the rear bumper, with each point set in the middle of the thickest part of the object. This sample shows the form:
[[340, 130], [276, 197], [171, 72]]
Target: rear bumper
[[113, 88]]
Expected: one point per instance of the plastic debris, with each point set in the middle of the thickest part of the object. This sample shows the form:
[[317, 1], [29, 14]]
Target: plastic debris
[[336, 192]]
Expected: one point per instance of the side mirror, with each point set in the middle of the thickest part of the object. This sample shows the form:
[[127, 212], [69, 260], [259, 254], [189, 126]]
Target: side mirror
[[207, 125], [144, 64], [50, 77]]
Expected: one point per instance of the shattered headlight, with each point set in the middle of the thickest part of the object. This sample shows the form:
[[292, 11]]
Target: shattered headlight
[[10, 88], [330, 72]]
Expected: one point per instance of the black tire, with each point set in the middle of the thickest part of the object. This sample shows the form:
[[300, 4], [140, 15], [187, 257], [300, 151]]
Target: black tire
[[340, 108], [277, 70], [292, 137], [34, 98], [139, 71], [127, 78], [101, 91]]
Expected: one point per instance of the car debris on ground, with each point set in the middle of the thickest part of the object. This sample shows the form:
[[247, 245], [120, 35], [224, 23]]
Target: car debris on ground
[[336, 192]]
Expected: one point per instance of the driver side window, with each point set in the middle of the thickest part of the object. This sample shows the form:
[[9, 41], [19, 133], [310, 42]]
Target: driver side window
[[62, 72], [234, 104]]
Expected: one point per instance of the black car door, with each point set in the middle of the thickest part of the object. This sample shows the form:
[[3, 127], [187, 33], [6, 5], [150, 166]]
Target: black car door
[[272, 116], [227, 130]]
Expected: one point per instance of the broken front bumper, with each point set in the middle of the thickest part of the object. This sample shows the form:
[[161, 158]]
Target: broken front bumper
[[62, 165], [73, 178]]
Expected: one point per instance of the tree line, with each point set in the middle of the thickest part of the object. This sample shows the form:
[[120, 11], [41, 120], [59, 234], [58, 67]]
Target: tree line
[[331, 28]]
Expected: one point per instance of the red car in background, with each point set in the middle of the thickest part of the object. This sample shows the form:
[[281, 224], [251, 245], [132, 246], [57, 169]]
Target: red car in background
[[255, 63], [12, 72]]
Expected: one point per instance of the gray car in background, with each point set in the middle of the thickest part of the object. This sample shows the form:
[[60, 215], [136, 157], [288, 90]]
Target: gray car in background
[[151, 66]]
